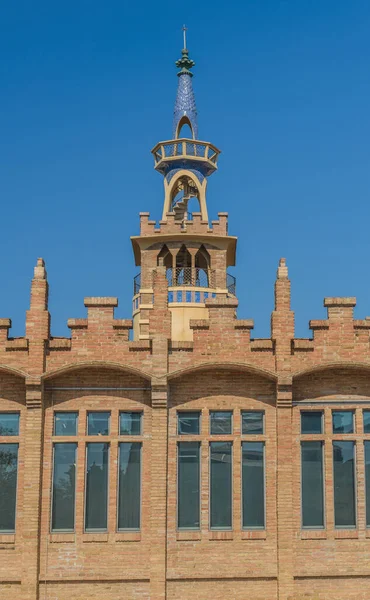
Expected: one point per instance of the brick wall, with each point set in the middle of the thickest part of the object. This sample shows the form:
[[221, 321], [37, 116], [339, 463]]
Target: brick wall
[[223, 368]]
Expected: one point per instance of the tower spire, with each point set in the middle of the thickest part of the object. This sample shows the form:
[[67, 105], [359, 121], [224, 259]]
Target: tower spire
[[185, 111], [184, 29]]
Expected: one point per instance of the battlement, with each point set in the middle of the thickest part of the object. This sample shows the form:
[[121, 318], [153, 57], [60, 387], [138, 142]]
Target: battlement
[[193, 226]]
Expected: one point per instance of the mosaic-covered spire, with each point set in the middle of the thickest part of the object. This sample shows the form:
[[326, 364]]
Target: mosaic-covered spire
[[185, 107]]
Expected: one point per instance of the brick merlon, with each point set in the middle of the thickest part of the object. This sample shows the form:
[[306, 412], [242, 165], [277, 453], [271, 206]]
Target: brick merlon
[[5, 323], [346, 301], [101, 301]]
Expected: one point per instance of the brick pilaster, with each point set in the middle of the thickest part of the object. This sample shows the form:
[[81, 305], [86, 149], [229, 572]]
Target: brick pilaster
[[284, 486], [158, 494], [32, 490]]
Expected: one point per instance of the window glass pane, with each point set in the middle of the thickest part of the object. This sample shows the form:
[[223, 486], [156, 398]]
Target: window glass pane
[[96, 486], [188, 423], [344, 484], [129, 489], [9, 423], [65, 423], [130, 423], [312, 485], [98, 423], [220, 488], [252, 422], [366, 415], [64, 487], [367, 482], [221, 422], [342, 421], [311, 422], [8, 485], [253, 484], [188, 485]]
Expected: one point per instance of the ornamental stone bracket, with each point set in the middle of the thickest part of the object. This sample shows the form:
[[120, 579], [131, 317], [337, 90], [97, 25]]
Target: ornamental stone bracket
[[284, 391], [34, 391], [159, 392]]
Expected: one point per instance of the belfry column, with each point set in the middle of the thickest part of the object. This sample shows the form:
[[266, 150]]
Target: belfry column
[[282, 325], [37, 332], [160, 332]]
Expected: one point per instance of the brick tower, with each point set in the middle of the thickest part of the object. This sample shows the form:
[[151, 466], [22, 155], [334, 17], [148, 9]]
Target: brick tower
[[194, 252]]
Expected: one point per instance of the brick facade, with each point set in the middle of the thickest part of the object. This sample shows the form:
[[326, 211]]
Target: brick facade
[[99, 367], [187, 351]]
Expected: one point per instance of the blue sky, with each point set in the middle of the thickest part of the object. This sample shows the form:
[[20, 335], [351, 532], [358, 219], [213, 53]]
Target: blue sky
[[87, 89]]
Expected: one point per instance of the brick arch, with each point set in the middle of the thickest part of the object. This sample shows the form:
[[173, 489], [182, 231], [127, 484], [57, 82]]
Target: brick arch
[[230, 366], [97, 387], [332, 380], [223, 385], [12, 387], [12, 371], [102, 364]]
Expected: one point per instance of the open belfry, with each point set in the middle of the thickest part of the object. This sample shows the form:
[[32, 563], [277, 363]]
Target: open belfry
[[173, 456]]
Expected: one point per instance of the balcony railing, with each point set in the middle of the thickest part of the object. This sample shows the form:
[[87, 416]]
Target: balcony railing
[[137, 283], [192, 277], [183, 276], [195, 150], [231, 284]]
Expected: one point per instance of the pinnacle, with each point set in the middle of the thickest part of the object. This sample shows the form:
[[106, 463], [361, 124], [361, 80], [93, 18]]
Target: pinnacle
[[282, 272], [39, 270]]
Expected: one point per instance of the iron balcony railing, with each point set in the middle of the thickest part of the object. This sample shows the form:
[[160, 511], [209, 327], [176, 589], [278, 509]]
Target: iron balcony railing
[[231, 284], [189, 276], [192, 276], [137, 283]]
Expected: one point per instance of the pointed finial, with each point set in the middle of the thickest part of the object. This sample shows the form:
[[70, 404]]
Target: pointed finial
[[184, 29], [185, 63], [282, 272]]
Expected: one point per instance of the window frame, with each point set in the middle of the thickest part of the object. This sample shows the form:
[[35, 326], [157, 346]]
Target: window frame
[[100, 529], [231, 412], [199, 528], [105, 435], [249, 527], [58, 412], [229, 527], [316, 411], [355, 483], [129, 529], [130, 435], [323, 469], [346, 410], [195, 411], [13, 531], [243, 411], [56, 531], [12, 412]]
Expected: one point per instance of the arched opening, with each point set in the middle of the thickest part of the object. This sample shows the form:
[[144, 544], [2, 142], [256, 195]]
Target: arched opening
[[184, 129], [183, 266], [185, 190], [166, 256], [202, 267]]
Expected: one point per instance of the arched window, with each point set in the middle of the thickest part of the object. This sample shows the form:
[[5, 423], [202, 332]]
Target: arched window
[[183, 266], [184, 129], [202, 266], [166, 256]]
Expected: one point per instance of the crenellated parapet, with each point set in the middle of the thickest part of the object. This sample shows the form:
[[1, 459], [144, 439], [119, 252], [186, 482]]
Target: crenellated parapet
[[216, 333], [192, 225]]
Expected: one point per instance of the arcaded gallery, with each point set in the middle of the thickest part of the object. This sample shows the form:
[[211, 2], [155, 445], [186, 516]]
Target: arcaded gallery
[[172, 455]]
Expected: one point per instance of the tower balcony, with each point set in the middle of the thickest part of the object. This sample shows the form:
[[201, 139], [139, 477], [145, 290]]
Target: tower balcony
[[189, 285], [172, 154]]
